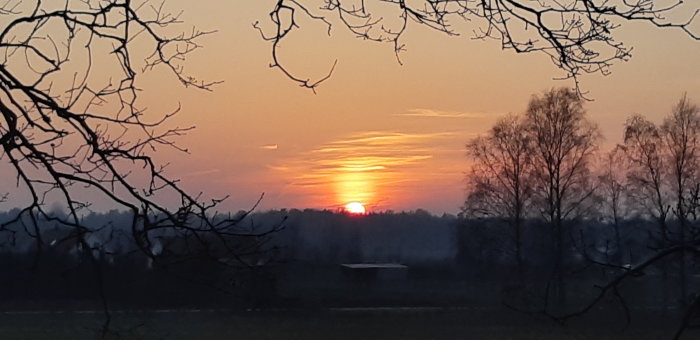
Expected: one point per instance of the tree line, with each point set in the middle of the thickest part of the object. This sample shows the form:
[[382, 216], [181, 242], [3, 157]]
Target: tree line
[[547, 164]]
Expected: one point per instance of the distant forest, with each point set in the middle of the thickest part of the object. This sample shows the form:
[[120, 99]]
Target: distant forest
[[466, 249]]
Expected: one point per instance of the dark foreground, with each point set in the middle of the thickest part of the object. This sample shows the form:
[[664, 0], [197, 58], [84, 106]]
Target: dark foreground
[[339, 323]]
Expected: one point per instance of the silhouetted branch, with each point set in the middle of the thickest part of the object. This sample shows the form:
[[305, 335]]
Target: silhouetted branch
[[612, 287], [577, 35], [72, 129], [691, 311], [629, 272]]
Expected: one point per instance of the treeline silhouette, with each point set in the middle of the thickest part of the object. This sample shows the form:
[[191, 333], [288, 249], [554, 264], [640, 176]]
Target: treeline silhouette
[[181, 272], [438, 250]]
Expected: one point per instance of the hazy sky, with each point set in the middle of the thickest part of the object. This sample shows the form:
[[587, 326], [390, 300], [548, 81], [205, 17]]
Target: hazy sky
[[387, 135]]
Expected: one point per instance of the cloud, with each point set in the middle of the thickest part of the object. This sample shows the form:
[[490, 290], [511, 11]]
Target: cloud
[[373, 151], [442, 114], [364, 167], [269, 147]]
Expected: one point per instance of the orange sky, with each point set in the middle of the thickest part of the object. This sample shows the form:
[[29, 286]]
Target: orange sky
[[387, 135]]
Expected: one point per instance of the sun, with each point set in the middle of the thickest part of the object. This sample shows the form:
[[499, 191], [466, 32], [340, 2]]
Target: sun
[[355, 208]]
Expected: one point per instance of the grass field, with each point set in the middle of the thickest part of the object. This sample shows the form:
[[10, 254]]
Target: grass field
[[494, 323]]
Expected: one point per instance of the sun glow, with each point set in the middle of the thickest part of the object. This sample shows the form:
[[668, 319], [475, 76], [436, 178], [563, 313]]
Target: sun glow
[[355, 186], [355, 208]]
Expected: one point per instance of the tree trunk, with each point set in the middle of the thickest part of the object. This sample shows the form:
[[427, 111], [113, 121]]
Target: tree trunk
[[518, 250]]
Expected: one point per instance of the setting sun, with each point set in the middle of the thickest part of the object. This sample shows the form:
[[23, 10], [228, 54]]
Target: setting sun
[[355, 208]]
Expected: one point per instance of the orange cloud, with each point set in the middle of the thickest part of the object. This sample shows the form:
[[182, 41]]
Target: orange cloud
[[441, 114], [269, 147]]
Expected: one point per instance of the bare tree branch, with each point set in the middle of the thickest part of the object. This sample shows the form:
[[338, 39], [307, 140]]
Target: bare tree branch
[[72, 128], [577, 35]]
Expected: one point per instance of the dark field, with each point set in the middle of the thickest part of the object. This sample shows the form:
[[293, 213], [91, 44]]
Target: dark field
[[320, 302], [465, 323]]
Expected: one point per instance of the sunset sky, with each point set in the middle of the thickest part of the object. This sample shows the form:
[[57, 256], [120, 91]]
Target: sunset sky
[[388, 135]]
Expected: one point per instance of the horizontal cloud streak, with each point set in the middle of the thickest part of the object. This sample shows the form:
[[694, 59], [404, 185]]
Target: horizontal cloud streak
[[269, 147], [441, 114]]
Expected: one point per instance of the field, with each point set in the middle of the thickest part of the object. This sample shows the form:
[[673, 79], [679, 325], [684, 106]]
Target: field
[[357, 323], [321, 303]]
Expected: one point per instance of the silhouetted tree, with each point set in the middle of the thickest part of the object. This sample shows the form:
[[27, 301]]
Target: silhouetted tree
[[663, 178], [681, 138], [647, 171], [648, 177], [72, 128], [72, 134], [499, 178], [612, 180], [564, 142]]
